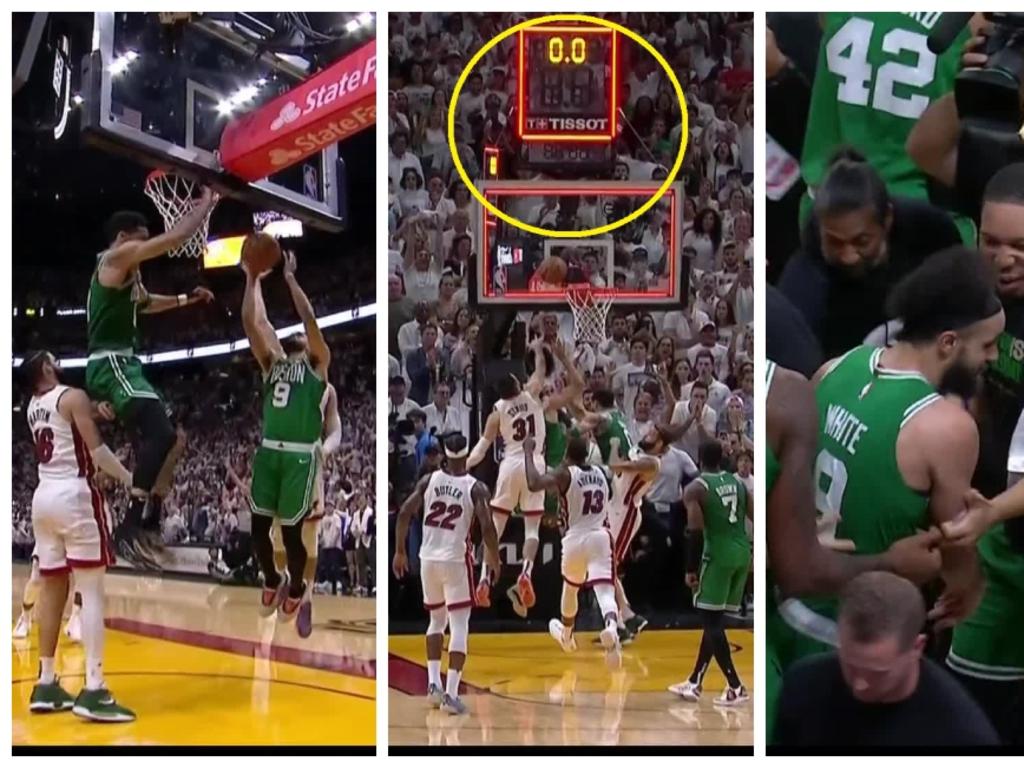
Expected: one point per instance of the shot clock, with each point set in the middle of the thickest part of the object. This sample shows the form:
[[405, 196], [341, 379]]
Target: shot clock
[[568, 76]]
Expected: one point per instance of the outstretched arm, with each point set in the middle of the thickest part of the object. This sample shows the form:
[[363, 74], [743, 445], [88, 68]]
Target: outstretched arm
[[574, 386], [318, 348], [125, 257], [536, 381], [266, 347], [157, 303], [488, 437]]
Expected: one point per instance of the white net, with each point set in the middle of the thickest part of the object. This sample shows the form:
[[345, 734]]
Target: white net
[[175, 196], [589, 314]]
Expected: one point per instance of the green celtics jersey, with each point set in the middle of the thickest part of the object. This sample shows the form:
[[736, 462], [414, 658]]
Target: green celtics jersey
[[555, 442], [858, 485], [292, 392], [875, 77], [112, 313], [725, 512], [616, 427], [771, 464]]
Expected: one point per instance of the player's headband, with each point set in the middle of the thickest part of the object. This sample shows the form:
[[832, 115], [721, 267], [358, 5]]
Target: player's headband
[[456, 454]]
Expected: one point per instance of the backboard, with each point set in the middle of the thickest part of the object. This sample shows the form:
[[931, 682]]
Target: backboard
[[163, 93], [640, 264]]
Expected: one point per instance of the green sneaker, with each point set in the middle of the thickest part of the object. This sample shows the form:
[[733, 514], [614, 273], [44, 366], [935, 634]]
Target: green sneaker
[[99, 705], [49, 697]]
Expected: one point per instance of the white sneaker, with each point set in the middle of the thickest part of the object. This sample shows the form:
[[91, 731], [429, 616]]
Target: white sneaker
[[563, 635], [612, 648], [23, 627], [686, 690], [73, 629], [732, 697]]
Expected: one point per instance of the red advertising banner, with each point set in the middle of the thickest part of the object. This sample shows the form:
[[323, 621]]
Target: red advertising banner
[[331, 105]]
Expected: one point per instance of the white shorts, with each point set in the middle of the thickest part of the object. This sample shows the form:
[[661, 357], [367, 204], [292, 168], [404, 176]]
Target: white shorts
[[448, 583], [511, 490], [624, 524], [587, 558], [310, 534], [71, 525]]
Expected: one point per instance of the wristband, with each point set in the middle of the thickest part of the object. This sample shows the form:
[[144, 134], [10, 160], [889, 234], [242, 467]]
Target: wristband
[[182, 298]]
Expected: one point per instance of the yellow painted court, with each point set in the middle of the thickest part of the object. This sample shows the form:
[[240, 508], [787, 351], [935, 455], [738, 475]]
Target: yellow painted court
[[523, 690], [199, 666]]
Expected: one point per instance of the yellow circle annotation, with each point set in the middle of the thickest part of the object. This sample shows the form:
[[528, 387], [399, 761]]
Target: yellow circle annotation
[[559, 233]]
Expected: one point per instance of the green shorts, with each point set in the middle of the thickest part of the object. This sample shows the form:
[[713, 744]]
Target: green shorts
[[721, 585], [119, 380], [284, 483], [988, 643]]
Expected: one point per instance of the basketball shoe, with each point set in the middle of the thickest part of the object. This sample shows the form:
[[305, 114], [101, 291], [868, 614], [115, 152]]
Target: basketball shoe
[[731, 697]]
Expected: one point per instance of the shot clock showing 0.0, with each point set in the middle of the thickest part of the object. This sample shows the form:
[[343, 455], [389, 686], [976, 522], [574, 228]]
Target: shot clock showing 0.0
[[570, 77]]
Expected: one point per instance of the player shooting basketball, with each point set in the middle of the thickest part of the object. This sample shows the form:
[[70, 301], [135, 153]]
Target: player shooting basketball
[[285, 467], [114, 372]]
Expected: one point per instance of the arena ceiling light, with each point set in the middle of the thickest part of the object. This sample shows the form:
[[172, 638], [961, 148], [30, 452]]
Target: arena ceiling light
[[227, 347], [244, 94], [119, 65]]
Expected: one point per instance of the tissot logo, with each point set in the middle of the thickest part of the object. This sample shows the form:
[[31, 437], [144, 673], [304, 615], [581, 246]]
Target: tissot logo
[[326, 94], [594, 124]]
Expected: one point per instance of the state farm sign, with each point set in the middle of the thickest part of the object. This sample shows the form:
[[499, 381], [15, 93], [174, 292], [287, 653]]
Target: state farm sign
[[334, 104]]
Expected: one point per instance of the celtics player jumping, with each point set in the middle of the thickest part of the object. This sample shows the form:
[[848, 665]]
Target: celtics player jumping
[[284, 470], [114, 372], [717, 505]]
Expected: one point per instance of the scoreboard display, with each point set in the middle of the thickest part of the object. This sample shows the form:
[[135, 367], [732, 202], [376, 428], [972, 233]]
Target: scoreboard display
[[568, 84]]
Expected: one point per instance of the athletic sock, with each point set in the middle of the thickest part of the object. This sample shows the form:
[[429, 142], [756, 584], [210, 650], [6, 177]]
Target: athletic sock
[[452, 685], [434, 672], [47, 674], [704, 655]]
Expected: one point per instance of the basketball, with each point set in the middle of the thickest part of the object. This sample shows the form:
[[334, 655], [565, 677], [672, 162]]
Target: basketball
[[553, 270], [261, 252]]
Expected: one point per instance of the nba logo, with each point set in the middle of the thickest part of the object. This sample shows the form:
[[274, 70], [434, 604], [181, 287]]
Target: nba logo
[[310, 182]]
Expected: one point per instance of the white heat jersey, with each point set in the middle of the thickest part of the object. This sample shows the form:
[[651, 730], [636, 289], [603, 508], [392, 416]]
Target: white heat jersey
[[519, 418], [586, 500], [629, 487], [447, 516], [61, 453]]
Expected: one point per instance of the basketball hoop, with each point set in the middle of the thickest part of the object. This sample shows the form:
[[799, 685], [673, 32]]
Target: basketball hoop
[[174, 196], [589, 313]]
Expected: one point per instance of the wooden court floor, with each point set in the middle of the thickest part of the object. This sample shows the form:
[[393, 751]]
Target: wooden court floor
[[523, 690], [199, 666]]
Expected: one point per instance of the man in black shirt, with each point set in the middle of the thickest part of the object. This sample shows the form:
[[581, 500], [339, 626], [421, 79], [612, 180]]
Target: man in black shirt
[[857, 244], [878, 690]]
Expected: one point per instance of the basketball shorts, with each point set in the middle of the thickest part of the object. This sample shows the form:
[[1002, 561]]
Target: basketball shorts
[[71, 525], [587, 558], [310, 533], [988, 643], [119, 380], [721, 585], [625, 523], [283, 483], [511, 491], [448, 583]]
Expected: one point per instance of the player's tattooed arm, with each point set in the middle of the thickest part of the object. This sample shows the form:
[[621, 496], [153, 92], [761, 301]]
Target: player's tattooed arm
[[75, 406], [123, 258], [318, 349], [535, 383], [619, 463], [575, 385], [555, 482], [693, 501], [485, 441], [266, 347], [481, 496], [332, 422], [411, 506]]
